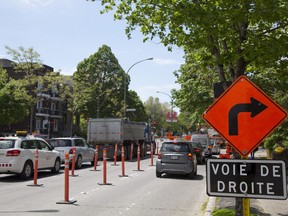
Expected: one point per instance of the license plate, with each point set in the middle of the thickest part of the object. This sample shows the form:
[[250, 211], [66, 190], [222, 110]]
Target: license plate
[[174, 157]]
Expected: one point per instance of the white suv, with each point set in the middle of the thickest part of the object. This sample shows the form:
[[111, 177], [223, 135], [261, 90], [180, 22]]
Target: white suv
[[17, 155], [84, 152]]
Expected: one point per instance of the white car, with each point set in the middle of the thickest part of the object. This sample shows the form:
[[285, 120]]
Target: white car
[[84, 152], [17, 155]]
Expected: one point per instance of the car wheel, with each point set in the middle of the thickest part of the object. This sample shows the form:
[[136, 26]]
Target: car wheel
[[27, 170], [78, 162], [57, 166], [158, 174], [192, 174]]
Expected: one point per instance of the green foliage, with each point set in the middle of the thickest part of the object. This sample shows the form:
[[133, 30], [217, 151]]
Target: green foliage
[[13, 100], [134, 102], [33, 79], [99, 84]]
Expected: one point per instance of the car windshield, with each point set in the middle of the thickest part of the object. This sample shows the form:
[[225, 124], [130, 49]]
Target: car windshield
[[174, 147], [6, 144], [60, 143]]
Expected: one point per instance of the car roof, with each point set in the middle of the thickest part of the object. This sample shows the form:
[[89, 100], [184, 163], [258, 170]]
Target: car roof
[[29, 137]]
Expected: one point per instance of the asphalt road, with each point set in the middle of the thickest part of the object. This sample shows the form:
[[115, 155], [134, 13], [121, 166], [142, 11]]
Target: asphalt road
[[141, 193]]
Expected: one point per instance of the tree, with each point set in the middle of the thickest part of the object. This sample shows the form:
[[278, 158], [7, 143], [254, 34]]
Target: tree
[[134, 102], [33, 76], [13, 100], [232, 35], [98, 88]]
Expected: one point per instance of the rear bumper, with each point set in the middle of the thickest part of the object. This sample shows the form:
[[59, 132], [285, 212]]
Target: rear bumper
[[174, 168]]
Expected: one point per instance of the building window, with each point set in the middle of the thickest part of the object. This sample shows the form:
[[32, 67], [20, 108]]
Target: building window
[[39, 104], [38, 124], [53, 106]]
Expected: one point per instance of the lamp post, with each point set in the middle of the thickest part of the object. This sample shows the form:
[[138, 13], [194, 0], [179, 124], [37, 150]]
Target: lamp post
[[125, 81], [171, 103]]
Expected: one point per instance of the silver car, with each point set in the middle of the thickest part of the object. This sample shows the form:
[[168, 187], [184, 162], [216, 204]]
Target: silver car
[[176, 158], [84, 152]]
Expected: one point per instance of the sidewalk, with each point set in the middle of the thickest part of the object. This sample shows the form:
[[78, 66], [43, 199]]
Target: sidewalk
[[260, 207]]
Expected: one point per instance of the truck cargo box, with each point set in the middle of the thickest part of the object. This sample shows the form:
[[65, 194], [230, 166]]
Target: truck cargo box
[[114, 130]]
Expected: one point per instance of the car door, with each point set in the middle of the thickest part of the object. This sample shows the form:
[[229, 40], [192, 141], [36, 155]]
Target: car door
[[47, 155], [88, 151]]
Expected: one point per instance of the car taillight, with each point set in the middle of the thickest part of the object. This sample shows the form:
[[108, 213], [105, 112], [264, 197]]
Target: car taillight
[[15, 152], [190, 155], [197, 150]]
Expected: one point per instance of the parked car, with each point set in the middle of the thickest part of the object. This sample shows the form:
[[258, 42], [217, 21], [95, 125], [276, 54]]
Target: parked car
[[205, 141], [17, 155], [199, 151], [176, 158], [84, 152], [215, 148]]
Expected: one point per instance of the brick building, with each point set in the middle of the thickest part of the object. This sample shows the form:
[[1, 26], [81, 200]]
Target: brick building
[[49, 110]]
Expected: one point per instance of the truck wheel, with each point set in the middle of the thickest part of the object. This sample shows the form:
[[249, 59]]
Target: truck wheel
[[78, 164], [27, 170]]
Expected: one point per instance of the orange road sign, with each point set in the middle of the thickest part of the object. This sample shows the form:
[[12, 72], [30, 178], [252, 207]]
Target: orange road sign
[[244, 115]]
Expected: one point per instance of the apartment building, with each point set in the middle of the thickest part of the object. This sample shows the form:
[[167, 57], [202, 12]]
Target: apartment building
[[50, 118]]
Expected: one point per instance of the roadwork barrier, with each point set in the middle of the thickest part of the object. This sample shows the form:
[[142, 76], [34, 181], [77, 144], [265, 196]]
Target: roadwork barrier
[[36, 158], [104, 168], [96, 158], [66, 183], [123, 162], [73, 162]]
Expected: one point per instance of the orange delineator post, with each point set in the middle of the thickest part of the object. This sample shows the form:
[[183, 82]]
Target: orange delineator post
[[123, 162], [96, 158], [105, 168], [115, 154], [151, 153], [66, 183], [66, 190], [36, 166], [36, 157], [73, 160], [138, 156]]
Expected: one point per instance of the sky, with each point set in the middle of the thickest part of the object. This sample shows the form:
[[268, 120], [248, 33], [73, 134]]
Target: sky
[[65, 32]]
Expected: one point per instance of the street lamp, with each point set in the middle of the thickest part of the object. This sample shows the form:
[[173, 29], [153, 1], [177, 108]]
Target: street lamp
[[125, 82], [171, 102]]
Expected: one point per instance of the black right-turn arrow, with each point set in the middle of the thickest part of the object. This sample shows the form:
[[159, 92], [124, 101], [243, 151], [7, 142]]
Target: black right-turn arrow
[[255, 107]]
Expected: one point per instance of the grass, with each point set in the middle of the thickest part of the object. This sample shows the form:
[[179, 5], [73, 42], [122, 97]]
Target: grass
[[226, 212]]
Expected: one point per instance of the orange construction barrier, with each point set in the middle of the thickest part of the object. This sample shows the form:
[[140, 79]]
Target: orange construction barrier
[[123, 162], [138, 158], [104, 168], [73, 161], [36, 157], [96, 159], [151, 153], [66, 183], [115, 155]]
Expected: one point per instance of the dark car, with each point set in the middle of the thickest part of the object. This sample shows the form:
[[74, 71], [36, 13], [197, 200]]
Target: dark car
[[176, 158], [199, 151]]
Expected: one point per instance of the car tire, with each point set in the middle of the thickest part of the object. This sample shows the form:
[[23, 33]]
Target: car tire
[[192, 174], [158, 174], [78, 164], [57, 166], [27, 170]]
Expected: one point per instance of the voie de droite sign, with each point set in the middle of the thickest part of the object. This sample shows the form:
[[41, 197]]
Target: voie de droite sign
[[247, 178]]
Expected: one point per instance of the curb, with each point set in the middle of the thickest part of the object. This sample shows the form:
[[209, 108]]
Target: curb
[[210, 206]]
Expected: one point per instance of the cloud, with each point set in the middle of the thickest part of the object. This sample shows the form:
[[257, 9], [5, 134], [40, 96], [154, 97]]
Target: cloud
[[167, 61]]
